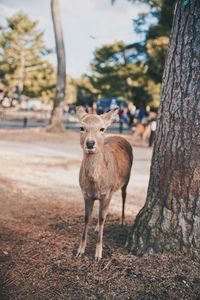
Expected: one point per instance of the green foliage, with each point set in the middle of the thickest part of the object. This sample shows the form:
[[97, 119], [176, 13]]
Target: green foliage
[[23, 69], [109, 70], [156, 53], [86, 92], [144, 69], [152, 3], [115, 75], [40, 82], [156, 37]]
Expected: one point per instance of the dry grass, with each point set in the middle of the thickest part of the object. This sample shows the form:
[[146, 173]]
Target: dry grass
[[38, 246], [40, 230]]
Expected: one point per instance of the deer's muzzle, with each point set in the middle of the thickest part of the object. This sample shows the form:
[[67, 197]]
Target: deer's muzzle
[[90, 147]]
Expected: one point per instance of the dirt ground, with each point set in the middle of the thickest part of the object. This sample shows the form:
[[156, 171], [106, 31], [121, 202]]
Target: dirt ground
[[41, 221]]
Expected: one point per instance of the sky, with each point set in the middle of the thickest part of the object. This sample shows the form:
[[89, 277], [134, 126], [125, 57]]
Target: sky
[[87, 24]]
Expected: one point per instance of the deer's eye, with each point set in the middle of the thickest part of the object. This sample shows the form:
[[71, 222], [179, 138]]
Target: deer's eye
[[102, 129], [82, 129]]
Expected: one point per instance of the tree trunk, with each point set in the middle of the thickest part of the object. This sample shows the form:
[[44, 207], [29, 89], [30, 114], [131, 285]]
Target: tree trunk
[[57, 113], [170, 218]]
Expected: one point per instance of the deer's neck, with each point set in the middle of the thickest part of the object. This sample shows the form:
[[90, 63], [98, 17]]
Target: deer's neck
[[93, 165]]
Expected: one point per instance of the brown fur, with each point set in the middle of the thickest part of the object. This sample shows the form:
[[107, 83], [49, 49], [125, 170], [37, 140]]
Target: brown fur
[[104, 170]]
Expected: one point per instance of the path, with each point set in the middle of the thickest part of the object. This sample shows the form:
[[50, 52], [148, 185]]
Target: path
[[35, 162]]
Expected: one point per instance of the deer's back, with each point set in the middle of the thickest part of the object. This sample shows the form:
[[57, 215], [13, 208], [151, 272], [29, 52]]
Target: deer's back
[[119, 157]]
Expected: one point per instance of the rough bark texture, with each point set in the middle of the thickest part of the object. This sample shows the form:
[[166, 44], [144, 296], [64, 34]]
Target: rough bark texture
[[170, 218], [57, 115]]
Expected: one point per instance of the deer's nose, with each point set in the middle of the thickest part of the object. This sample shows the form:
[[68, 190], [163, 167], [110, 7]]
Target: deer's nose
[[90, 144]]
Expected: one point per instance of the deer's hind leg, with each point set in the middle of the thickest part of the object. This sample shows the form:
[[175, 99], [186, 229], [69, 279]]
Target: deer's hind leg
[[123, 204]]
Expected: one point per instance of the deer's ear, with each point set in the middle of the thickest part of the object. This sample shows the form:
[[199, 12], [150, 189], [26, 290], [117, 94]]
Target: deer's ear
[[80, 111], [110, 116]]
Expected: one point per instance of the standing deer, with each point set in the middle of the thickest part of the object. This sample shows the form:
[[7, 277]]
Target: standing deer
[[106, 167]]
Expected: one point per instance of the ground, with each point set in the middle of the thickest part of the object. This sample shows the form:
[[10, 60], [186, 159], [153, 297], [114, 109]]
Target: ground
[[41, 220]]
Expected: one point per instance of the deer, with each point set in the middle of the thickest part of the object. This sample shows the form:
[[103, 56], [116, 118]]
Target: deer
[[105, 168]]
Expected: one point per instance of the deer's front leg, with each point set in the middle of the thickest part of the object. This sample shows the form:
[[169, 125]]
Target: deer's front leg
[[103, 210], [89, 203], [96, 230]]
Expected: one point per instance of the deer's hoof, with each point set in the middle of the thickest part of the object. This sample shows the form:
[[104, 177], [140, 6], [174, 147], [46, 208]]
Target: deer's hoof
[[96, 230], [98, 253], [97, 259], [122, 223], [79, 254], [80, 251]]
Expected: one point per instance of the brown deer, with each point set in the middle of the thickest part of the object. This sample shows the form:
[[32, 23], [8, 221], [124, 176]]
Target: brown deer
[[106, 167]]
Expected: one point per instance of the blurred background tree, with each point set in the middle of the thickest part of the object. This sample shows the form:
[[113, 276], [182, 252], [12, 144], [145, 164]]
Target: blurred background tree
[[156, 37], [56, 121], [86, 92], [23, 67], [117, 73], [110, 71], [155, 27], [132, 72]]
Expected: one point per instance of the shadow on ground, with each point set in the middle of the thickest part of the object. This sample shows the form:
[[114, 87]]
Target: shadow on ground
[[38, 261]]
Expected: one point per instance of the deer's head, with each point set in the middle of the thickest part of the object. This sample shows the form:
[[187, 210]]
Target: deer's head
[[93, 127]]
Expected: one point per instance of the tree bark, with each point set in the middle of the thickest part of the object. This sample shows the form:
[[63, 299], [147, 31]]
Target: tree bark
[[57, 112], [170, 218]]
